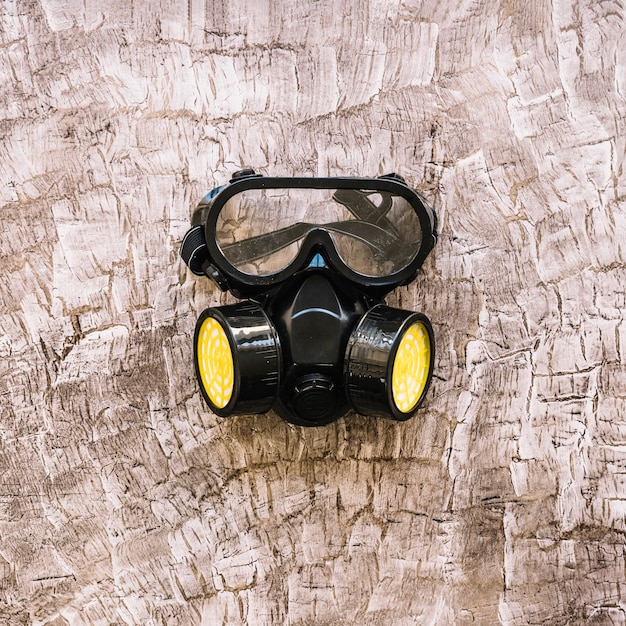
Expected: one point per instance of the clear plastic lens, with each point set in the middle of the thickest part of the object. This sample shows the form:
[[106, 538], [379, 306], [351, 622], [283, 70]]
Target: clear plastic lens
[[260, 231]]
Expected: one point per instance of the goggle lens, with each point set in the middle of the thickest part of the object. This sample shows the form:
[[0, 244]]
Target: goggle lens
[[260, 231]]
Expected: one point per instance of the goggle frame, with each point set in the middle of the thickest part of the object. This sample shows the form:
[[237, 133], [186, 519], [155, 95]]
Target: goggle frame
[[318, 240]]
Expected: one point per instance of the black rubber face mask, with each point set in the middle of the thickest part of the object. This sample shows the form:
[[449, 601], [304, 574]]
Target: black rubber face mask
[[312, 259]]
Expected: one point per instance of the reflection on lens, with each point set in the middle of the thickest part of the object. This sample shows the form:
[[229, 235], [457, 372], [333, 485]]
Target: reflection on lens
[[387, 257], [260, 263]]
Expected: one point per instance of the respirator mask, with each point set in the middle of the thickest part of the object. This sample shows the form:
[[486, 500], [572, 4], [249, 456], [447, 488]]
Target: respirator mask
[[312, 259]]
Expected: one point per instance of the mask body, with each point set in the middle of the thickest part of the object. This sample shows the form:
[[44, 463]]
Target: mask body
[[312, 338], [314, 317]]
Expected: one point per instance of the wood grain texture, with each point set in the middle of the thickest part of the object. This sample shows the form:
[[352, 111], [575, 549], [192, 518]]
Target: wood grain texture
[[124, 500]]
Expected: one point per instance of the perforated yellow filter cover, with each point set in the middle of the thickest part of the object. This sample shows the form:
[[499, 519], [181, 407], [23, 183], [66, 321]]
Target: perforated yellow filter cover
[[411, 367], [215, 362]]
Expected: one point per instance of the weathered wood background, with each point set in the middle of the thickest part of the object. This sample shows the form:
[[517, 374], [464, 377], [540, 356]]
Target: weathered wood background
[[123, 500]]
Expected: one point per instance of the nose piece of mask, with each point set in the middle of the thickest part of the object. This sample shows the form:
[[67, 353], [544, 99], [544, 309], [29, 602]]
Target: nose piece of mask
[[318, 261], [312, 260]]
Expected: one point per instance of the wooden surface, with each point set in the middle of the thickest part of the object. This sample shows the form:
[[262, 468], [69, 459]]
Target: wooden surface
[[123, 500]]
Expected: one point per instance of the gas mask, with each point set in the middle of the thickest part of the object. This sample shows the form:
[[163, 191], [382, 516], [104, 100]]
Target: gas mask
[[312, 260]]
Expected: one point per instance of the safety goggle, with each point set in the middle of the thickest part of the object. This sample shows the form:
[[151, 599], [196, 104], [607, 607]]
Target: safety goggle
[[257, 231]]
